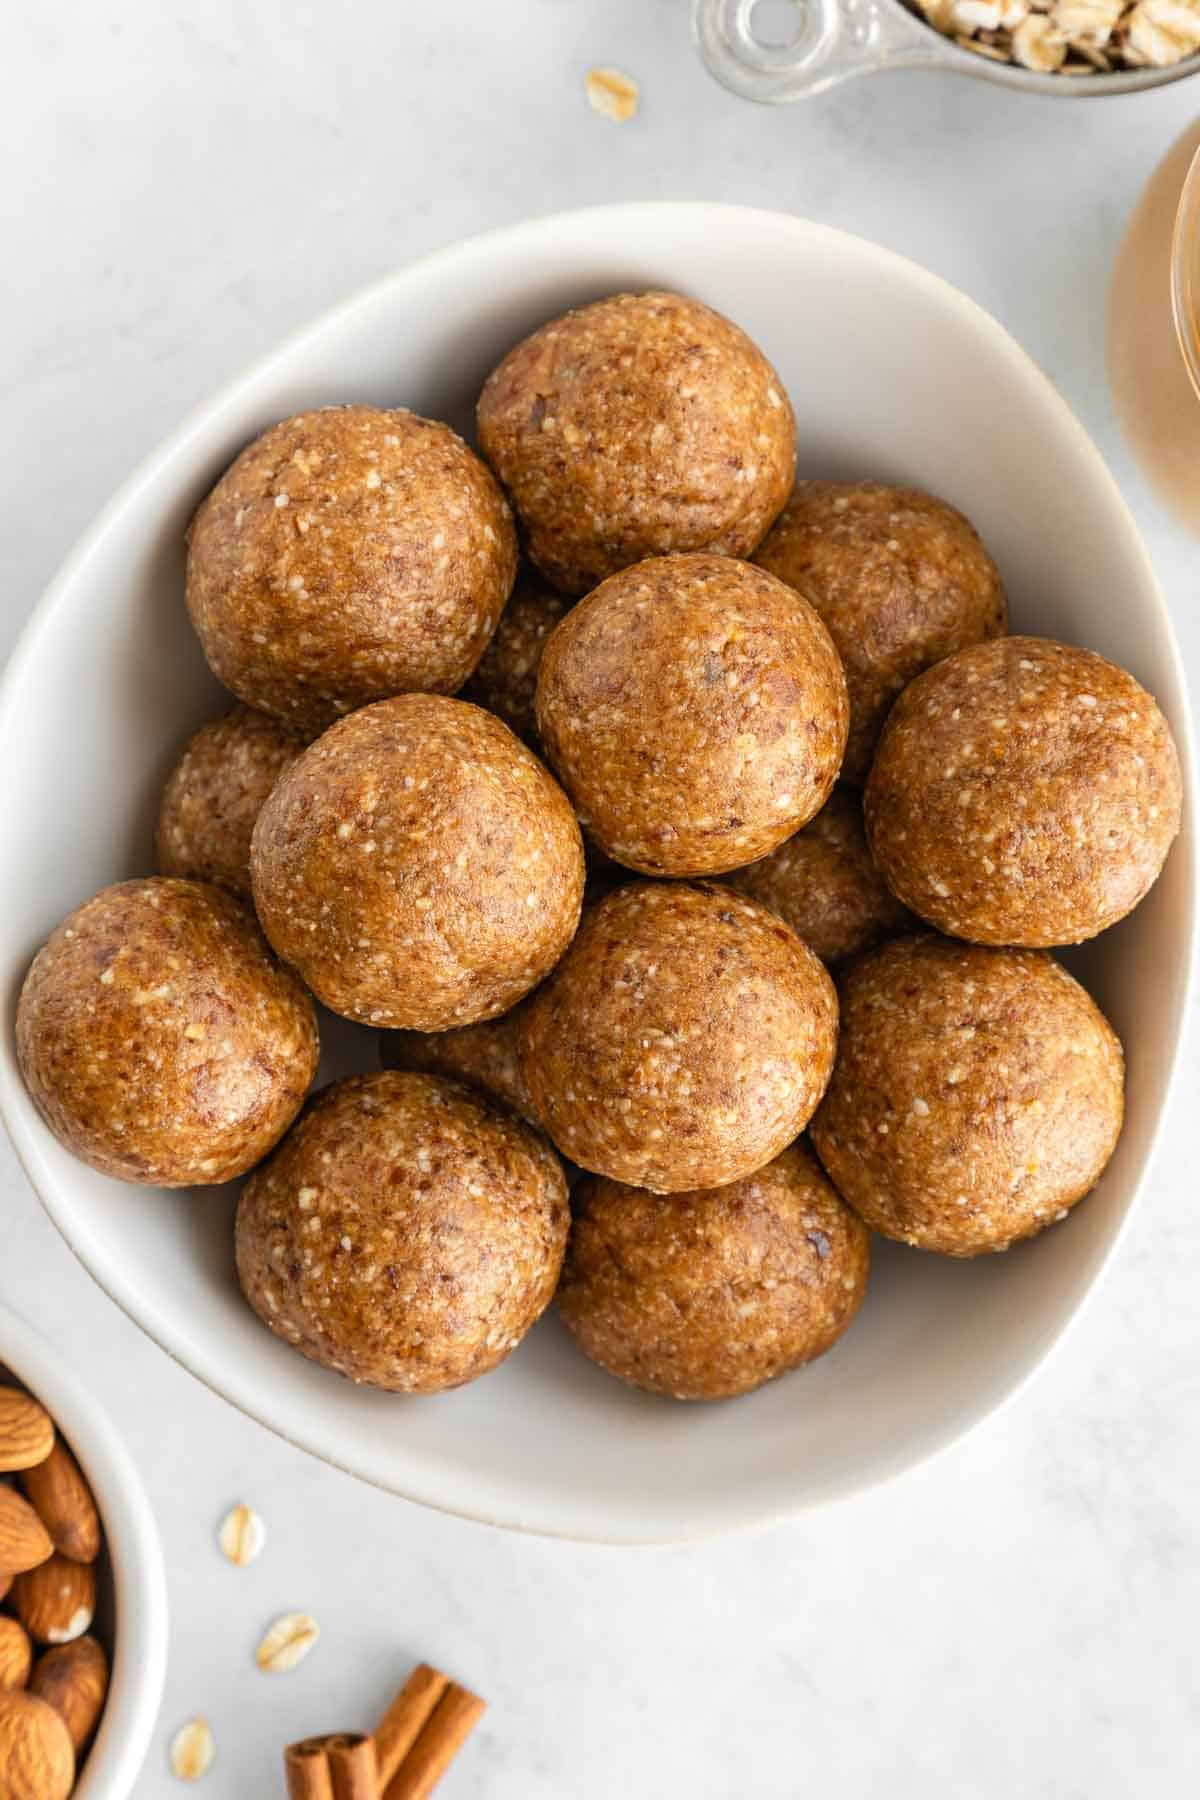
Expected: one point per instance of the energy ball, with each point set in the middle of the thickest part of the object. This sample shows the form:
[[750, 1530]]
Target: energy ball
[[695, 710], [506, 678], [159, 1038], [347, 555], [824, 882], [483, 1055], [642, 424], [900, 578], [406, 1233], [418, 866], [705, 1295], [215, 793], [683, 1041], [977, 1095], [1025, 792]]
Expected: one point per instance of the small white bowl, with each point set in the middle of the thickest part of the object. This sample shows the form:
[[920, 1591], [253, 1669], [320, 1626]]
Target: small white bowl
[[893, 374], [138, 1601]]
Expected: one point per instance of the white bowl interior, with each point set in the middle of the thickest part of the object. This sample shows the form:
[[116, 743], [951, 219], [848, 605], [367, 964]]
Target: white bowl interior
[[893, 375], [137, 1602]]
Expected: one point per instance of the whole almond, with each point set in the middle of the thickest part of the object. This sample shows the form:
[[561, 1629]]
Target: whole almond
[[55, 1602], [5, 1582], [26, 1430], [36, 1758], [24, 1540], [16, 1660], [73, 1679], [62, 1499]]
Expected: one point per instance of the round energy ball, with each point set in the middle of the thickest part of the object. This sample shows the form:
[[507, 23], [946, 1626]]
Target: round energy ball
[[505, 681], [684, 1039], [642, 424], [159, 1038], [695, 710], [347, 555], [900, 578], [483, 1055], [705, 1295], [418, 866], [407, 1233], [977, 1095], [824, 882], [215, 793], [1025, 792]]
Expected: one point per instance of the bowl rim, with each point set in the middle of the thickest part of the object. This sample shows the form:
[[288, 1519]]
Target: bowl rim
[[1185, 272], [139, 1670], [524, 237]]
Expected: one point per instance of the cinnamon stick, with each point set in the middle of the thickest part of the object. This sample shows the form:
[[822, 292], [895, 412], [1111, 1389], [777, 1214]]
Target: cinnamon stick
[[400, 1726], [351, 1758], [306, 1769], [441, 1738]]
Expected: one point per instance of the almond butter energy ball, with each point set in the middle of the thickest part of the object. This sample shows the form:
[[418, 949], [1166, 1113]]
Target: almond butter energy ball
[[215, 793], [684, 1039], [506, 678], [824, 882], [347, 555], [978, 1094], [704, 1295], [1025, 792], [638, 425], [160, 1039], [418, 866], [695, 710], [407, 1233], [899, 577], [484, 1056]]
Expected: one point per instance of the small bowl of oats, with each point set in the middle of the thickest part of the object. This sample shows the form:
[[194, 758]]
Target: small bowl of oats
[[783, 50]]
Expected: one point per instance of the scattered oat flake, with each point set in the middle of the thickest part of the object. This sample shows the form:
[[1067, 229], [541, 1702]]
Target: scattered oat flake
[[192, 1750], [612, 93], [287, 1643], [241, 1535]]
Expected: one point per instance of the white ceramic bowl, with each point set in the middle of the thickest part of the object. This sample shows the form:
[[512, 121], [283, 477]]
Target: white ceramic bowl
[[137, 1603], [893, 374]]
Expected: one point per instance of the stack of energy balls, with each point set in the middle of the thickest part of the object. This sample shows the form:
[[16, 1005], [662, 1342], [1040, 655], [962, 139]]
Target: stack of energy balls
[[719, 732]]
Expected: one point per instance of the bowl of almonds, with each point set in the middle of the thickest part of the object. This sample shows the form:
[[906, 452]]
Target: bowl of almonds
[[83, 1606], [782, 50]]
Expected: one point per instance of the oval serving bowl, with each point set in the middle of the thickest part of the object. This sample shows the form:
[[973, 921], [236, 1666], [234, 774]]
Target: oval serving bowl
[[893, 374]]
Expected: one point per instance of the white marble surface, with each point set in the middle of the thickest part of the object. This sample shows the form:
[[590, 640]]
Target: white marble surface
[[1015, 1622]]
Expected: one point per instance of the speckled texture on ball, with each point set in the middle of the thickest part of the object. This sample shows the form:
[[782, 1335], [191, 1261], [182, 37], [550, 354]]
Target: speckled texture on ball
[[704, 1295], [418, 866], [684, 1039], [824, 882], [407, 1233], [215, 793], [160, 1039], [900, 578], [642, 424], [506, 678], [695, 710], [977, 1095], [347, 555], [1025, 792], [483, 1055]]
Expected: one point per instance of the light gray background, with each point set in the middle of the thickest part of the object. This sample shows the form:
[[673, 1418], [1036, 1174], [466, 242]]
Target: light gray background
[[181, 187]]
